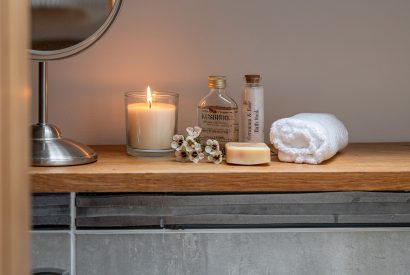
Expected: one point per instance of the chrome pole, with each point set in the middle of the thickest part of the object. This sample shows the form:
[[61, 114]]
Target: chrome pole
[[43, 93], [49, 148]]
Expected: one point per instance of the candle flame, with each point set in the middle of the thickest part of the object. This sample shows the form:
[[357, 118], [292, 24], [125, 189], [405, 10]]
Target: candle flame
[[149, 96]]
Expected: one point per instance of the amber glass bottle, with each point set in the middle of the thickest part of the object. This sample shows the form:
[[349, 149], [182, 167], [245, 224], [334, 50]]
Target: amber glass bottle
[[218, 113]]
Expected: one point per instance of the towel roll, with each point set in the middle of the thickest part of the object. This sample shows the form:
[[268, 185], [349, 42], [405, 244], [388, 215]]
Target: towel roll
[[308, 137]]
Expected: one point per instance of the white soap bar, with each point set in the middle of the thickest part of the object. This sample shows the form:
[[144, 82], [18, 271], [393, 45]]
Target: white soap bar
[[247, 153]]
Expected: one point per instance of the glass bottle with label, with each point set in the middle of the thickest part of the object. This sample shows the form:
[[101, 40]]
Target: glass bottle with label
[[218, 113], [252, 113]]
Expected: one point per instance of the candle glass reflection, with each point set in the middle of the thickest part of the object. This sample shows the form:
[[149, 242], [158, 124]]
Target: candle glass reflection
[[151, 122]]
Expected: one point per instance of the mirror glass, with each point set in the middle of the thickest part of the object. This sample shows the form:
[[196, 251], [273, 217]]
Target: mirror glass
[[63, 27]]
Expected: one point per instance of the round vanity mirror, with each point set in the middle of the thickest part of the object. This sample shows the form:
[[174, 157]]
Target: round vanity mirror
[[62, 28]]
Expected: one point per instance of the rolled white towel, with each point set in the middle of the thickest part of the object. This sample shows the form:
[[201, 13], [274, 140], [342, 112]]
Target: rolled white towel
[[308, 137]]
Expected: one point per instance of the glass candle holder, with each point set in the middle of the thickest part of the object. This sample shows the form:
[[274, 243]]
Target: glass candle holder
[[151, 122]]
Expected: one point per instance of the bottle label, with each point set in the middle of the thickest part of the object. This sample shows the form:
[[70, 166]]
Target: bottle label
[[252, 115], [220, 123]]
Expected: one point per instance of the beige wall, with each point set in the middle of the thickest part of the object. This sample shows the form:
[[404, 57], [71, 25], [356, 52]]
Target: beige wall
[[350, 58]]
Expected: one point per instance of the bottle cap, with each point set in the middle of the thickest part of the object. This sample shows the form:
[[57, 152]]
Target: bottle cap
[[217, 81], [252, 78]]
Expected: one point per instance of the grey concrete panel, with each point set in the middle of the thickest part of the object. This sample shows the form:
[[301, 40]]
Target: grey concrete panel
[[138, 254], [136, 210], [257, 209], [205, 220], [51, 210], [112, 200], [118, 221], [51, 221], [223, 219], [50, 250], [50, 199], [247, 253]]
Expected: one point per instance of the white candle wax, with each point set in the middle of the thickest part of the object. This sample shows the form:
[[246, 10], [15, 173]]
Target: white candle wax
[[151, 128]]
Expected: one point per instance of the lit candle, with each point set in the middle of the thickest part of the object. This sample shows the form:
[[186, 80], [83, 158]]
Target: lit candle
[[151, 123]]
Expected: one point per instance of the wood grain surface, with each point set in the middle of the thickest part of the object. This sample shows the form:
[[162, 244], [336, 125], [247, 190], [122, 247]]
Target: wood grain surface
[[14, 138], [360, 167]]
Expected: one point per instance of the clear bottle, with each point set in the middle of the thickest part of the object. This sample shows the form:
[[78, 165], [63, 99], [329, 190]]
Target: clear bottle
[[218, 113], [252, 111]]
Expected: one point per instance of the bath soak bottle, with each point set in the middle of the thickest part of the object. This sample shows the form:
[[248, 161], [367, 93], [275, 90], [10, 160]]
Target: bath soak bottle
[[218, 113], [252, 111]]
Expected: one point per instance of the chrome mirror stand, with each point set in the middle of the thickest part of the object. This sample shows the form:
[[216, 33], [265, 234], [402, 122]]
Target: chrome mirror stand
[[49, 148]]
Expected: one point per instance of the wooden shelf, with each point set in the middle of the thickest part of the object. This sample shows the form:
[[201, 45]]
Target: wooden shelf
[[366, 167]]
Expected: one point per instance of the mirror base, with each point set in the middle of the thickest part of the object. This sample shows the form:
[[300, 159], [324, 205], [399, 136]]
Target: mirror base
[[49, 148]]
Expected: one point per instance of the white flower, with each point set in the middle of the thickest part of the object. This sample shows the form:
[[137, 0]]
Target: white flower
[[196, 155], [182, 155], [191, 144], [194, 132], [215, 157], [212, 145], [190, 148], [178, 142]]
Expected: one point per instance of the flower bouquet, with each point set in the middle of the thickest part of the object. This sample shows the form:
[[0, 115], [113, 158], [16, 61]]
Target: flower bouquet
[[189, 148]]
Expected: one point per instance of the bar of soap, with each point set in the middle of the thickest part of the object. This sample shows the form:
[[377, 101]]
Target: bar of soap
[[243, 153]]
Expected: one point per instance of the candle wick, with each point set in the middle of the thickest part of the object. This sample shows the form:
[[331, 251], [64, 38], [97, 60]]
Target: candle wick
[[150, 104]]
